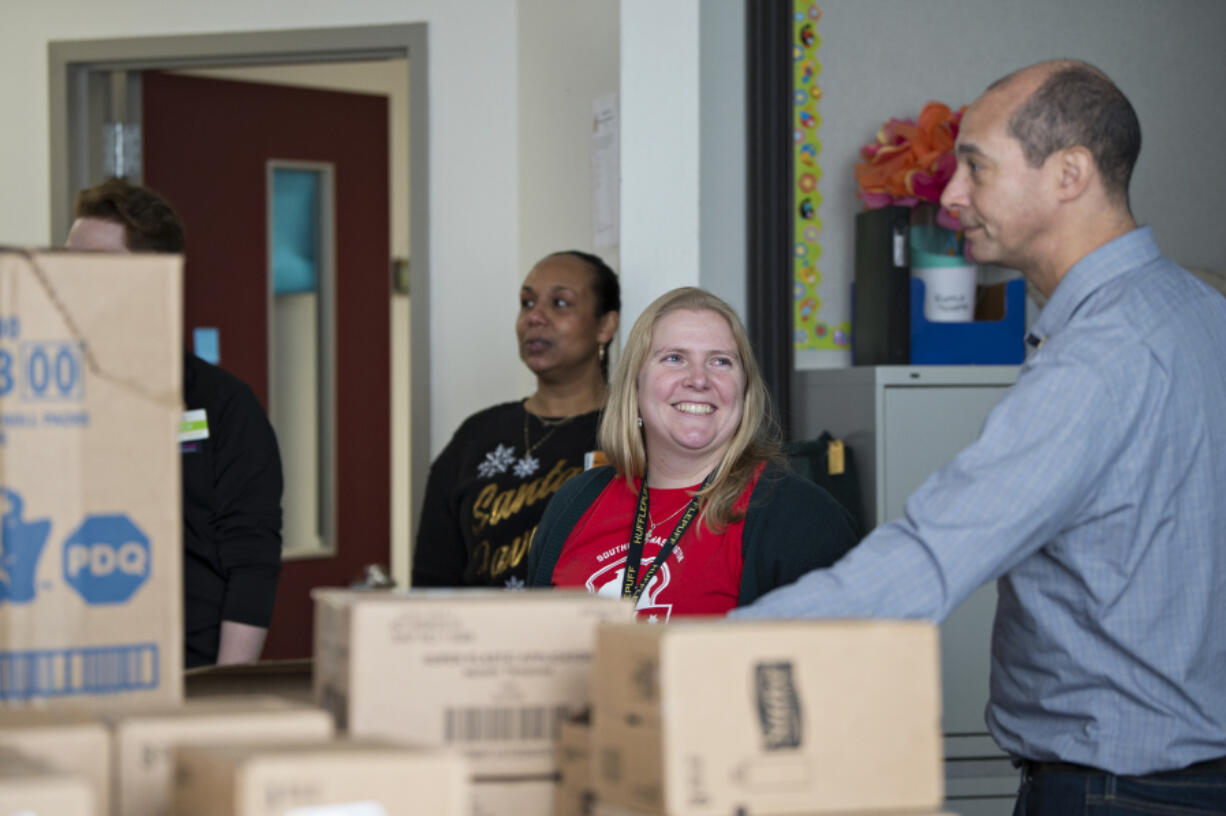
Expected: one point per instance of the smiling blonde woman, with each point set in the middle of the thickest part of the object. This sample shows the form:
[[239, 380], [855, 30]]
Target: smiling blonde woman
[[695, 514]]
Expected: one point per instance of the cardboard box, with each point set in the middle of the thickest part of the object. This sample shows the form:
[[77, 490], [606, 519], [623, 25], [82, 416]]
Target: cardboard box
[[362, 778], [91, 591], [145, 741], [29, 787], [75, 742], [702, 718], [290, 679], [575, 794], [569, 801], [603, 809], [514, 797], [489, 672]]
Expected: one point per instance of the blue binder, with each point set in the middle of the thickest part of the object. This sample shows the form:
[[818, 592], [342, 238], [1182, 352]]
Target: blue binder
[[980, 342]]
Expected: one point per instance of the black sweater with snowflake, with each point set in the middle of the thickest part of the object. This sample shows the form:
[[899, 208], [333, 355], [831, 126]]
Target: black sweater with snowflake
[[484, 496]]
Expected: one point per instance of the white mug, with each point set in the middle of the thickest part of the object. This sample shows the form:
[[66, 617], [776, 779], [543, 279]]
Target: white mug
[[949, 292]]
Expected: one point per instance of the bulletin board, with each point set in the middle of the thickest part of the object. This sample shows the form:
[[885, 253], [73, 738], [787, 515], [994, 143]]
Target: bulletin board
[[810, 330]]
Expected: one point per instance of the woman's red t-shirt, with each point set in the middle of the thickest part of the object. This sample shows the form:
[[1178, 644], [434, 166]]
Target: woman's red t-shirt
[[702, 575]]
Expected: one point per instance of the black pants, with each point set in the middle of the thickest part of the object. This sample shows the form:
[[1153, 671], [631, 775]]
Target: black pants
[[1061, 789]]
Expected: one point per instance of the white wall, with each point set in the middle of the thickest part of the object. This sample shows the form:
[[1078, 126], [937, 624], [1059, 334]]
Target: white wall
[[879, 57], [683, 149], [474, 149], [681, 224], [661, 146], [568, 57], [723, 165], [883, 58]]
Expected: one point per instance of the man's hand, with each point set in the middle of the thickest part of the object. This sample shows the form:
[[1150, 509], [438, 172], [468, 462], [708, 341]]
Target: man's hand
[[240, 643]]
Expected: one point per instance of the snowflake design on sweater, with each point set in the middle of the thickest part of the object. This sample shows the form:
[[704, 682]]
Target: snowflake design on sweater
[[496, 461], [526, 467]]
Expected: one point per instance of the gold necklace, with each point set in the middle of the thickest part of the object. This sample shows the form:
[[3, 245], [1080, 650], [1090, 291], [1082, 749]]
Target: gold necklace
[[552, 425], [652, 525]]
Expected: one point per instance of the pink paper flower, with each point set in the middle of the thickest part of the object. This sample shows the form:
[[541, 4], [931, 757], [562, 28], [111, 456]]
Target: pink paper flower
[[910, 161]]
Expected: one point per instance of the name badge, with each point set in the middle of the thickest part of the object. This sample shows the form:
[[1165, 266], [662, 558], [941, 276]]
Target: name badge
[[195, 425]]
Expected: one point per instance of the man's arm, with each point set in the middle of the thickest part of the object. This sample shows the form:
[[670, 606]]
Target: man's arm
[[240, 643], [1039, 457], [246, 525]]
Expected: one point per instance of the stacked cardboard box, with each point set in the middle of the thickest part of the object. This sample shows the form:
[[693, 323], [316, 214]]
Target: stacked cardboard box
[[489, 673], [360, 778], [574, 795], [603, 809], [529, 796], [31, 786], [90, 400], [72, 742], [144, 741], [126, 757], [707, 718], [91, 630]]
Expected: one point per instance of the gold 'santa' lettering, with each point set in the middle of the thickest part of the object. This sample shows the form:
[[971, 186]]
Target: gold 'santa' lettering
[[509, 556], [493, 507]]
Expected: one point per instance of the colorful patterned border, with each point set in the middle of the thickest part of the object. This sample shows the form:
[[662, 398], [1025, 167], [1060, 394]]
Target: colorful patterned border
[[810, 331]]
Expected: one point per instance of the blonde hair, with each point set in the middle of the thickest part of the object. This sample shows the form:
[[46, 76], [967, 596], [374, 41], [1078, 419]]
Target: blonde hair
[[755, 441]]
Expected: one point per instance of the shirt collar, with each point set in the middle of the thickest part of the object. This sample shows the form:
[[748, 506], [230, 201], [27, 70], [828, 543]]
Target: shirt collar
[[1111, 260]]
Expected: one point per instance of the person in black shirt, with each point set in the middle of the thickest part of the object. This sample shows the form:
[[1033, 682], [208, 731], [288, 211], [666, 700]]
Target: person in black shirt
[[231, 464], [488, 488]]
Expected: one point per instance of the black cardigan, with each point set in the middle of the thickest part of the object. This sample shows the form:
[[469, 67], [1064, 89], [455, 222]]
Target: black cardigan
[[792, 526], [231, 511]]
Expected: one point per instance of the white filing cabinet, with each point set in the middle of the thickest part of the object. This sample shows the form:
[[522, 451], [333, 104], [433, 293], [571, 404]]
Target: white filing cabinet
[[901, 424]]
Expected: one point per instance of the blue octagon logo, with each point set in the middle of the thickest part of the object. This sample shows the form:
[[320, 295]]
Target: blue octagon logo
[[107, 559]]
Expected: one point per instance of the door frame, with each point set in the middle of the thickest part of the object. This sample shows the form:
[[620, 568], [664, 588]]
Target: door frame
[[79, 89]]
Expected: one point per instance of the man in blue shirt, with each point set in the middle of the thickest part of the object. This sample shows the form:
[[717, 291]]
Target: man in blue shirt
[[1095, 491]]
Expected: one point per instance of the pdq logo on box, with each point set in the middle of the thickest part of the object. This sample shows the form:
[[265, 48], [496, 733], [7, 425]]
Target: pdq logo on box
[[106, 559], [21, 543]]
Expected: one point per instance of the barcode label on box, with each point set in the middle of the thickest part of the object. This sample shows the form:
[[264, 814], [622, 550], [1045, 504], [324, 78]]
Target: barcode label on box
[[69, 672], [502, 724]]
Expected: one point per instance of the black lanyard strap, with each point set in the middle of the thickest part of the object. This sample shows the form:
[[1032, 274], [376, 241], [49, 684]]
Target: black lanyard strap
[[631, 586]]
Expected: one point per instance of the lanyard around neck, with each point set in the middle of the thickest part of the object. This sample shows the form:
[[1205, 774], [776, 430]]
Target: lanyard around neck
[[631, 586]]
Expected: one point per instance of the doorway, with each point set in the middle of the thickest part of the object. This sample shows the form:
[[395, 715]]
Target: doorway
[[96, 82]]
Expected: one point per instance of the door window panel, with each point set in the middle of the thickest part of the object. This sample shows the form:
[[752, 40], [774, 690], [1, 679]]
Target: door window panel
[[300, 343]]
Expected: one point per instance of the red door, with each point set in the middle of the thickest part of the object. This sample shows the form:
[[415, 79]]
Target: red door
[[206, 147]]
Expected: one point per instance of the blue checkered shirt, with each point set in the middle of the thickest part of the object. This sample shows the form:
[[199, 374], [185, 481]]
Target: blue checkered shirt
[[1096, 497]]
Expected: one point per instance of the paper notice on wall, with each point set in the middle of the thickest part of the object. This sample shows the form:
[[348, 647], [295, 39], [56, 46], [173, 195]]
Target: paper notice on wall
[[606, 172]]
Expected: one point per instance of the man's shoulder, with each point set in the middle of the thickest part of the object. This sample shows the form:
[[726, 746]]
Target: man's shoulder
[[1160, 307], [205, 384]]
